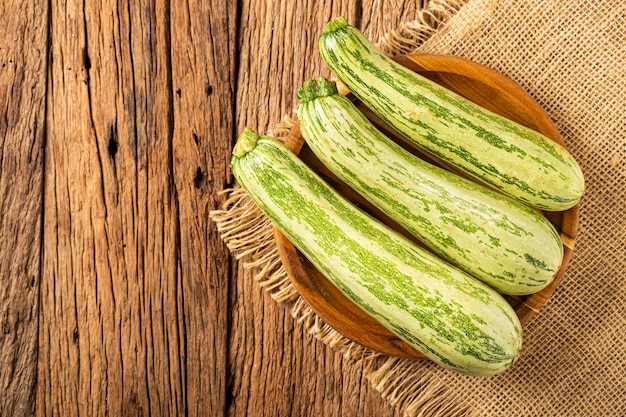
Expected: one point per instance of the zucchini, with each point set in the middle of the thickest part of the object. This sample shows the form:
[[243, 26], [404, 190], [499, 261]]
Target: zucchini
[[514, 159], [496, 239], [454, 319]]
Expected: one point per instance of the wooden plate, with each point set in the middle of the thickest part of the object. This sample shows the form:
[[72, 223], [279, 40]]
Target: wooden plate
[[481, 85]]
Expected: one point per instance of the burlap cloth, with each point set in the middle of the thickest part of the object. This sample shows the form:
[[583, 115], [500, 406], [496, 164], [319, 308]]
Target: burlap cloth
[[571, 56]]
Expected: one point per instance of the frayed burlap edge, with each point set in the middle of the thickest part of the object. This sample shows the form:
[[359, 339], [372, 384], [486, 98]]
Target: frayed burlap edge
[[408, 385], [410, 35]]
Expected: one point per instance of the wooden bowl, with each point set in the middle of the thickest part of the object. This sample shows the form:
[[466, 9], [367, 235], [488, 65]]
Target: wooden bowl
[[481, 85]]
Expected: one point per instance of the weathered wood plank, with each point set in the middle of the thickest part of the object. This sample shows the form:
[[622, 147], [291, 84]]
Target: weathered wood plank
[[203, 71], [276, 368], [112, 327], [23, 60]]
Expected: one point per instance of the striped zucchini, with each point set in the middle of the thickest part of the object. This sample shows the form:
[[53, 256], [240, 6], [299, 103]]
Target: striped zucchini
[[512, 158], [496, 239], [452, 318]]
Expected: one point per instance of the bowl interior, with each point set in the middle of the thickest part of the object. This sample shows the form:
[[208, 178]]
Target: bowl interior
[[479, 84]]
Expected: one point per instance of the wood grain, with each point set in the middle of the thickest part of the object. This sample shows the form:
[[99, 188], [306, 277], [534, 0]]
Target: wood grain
[[23, 60], [111, 317], [117, 295], [203, 80]]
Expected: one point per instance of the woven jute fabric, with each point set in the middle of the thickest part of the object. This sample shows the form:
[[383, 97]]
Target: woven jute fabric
[[571, 57]]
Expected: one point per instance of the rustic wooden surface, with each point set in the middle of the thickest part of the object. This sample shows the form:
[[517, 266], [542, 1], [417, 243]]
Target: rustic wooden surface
[[117, 296]]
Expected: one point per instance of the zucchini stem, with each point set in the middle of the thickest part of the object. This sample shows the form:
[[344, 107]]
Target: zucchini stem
[[312, 89], [245, 143], [335, 24]]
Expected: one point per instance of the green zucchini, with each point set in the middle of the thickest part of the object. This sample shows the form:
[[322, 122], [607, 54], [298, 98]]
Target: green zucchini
[[496, 239], [514, 159], [454, 319]]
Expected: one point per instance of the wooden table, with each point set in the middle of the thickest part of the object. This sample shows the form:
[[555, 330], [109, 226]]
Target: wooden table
[[117, 296]]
